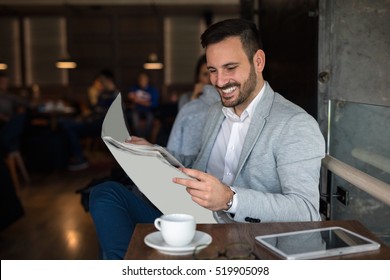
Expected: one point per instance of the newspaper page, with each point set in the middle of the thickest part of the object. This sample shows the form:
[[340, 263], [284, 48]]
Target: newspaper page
[[151, 168]]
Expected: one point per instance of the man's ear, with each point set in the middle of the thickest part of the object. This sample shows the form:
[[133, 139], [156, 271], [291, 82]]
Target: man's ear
[[259, 60]]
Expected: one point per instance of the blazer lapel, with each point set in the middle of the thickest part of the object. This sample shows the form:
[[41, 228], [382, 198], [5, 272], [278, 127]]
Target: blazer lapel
[[209, 137], [257, 124]]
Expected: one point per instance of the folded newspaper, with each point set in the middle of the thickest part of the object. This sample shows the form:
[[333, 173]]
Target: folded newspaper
[[151, 168]]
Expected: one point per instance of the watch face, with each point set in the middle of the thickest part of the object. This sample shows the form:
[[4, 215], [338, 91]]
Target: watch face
[[229, 204]]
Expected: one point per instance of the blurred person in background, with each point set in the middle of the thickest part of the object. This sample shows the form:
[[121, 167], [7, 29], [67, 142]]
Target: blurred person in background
[[12, 115], [90, 124], [144, 99], [9, 103], [186, 134], [201, 78]]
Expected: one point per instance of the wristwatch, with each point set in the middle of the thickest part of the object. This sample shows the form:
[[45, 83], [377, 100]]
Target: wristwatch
[[230, 202]]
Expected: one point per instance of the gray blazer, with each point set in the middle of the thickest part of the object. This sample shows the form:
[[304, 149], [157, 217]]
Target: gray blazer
[[279, 167]]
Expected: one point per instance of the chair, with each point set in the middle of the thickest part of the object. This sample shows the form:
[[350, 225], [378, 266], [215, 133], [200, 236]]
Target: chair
[[11, 134]]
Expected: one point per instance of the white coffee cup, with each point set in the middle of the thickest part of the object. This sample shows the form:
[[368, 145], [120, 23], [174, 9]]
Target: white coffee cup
[[177, 230]]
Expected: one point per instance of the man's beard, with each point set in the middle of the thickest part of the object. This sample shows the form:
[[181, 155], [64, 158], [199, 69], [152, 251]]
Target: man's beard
[[244, 92]]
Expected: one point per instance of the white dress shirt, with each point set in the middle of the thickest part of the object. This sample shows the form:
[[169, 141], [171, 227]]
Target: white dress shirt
[[228, 145]]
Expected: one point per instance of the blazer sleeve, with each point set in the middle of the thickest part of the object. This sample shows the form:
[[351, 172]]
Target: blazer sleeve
[[291, 193]]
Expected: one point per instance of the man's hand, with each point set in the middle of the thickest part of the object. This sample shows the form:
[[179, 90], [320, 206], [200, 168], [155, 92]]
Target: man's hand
[[138, 141], [207, 190]]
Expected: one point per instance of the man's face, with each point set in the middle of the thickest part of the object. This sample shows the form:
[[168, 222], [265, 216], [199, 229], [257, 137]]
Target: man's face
[[233, 75]]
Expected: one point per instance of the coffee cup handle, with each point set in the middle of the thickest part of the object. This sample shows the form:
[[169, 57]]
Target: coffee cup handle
[[157, 223]]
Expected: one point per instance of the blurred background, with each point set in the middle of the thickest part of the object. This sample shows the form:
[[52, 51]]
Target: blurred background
[[122, 35]]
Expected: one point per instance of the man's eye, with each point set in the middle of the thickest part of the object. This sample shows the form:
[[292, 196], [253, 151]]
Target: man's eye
[[230, 68]]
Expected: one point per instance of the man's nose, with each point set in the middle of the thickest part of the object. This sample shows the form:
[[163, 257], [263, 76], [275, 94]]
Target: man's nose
[[220, 80]]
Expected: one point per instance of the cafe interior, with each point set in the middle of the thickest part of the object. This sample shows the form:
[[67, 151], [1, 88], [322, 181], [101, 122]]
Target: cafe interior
[[329, 57]]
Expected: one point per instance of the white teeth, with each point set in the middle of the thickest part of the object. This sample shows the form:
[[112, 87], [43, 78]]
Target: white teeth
[[229, 90]]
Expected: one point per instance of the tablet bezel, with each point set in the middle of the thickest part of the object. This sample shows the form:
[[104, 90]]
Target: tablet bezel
[[355, 248]]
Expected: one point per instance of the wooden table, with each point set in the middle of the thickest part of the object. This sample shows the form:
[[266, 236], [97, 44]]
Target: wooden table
[[238, 232]]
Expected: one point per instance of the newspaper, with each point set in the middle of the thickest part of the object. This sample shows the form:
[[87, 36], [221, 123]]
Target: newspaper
[[151, 168]]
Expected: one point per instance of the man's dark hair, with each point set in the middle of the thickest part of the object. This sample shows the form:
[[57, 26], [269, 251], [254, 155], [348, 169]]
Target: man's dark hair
[[246, 30]]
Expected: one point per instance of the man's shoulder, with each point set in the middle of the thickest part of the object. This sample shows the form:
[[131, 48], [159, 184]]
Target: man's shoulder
[[278, 110], [284, 108]]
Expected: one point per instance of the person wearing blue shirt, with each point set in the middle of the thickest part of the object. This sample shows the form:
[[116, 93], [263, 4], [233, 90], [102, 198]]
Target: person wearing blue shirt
[[145, 99]]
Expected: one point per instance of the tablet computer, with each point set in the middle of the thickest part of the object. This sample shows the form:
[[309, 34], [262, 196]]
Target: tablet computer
[[317, 243]]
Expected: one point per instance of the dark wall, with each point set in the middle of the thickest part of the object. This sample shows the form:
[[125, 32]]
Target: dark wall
[[119, 42], [289, 30], [119, 37]]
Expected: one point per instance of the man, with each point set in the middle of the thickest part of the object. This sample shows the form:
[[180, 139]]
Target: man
[[10, 104], [12, 116], [261, 154]]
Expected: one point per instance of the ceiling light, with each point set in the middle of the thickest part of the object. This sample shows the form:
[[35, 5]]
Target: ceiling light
[[3, 65], [153, 63], [66, 63]]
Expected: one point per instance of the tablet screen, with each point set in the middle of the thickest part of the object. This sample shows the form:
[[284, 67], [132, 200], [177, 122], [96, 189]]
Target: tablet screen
[[317, 243]]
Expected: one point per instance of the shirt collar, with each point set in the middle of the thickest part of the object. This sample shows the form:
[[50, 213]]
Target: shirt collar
[[248, 112]]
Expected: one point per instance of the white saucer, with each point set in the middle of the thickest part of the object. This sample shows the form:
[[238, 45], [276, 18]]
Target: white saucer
[[155, 240]]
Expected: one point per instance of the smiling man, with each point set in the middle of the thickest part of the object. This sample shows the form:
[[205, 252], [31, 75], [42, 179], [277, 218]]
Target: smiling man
[[261, 154], [260, 157]]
